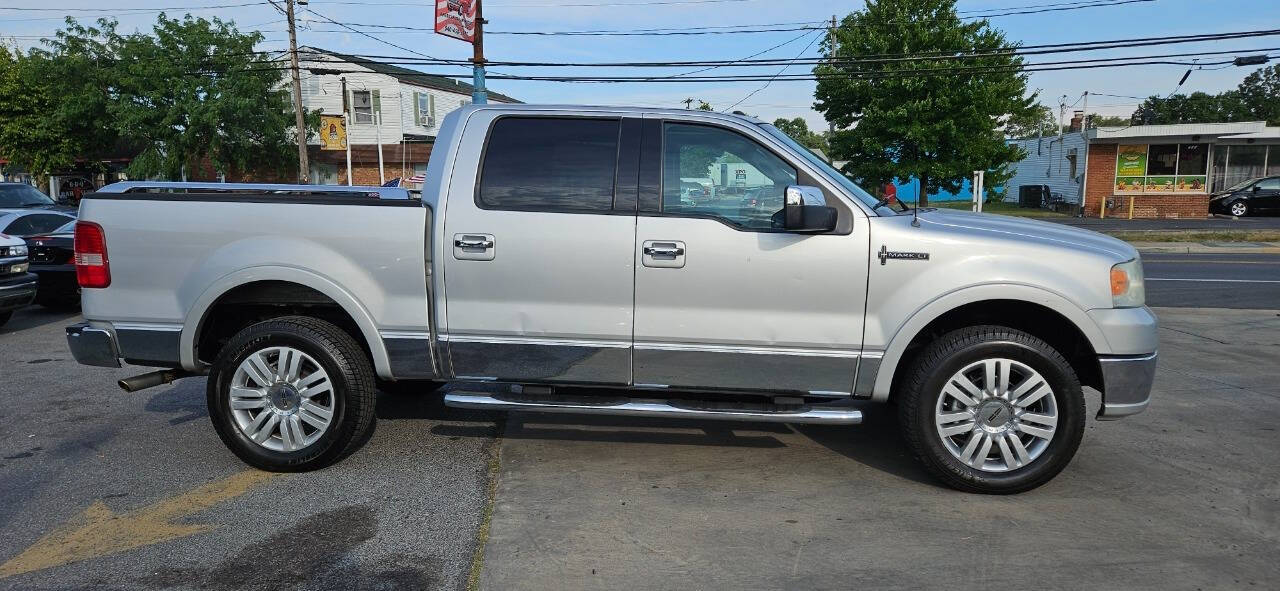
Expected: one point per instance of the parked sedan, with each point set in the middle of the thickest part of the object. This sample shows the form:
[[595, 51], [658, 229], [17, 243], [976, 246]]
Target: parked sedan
[[53, 260], [1261, 195]]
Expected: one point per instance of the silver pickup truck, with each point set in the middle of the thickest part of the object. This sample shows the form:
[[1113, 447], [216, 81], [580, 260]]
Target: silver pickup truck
[[556, 261]]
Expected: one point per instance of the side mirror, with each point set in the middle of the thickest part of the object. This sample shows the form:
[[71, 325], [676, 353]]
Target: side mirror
[[1255, 188], [805, 210]]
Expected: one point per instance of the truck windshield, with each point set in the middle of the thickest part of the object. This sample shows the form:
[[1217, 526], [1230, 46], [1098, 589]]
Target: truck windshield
[[850, 187], [20, 195]]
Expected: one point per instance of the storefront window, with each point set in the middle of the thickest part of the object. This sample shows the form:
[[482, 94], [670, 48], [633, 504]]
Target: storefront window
[[1162, 168], [1273, 161], [1244, 163], [1162, 159]]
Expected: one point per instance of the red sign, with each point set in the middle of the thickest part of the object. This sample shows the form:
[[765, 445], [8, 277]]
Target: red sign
[[457, 19]]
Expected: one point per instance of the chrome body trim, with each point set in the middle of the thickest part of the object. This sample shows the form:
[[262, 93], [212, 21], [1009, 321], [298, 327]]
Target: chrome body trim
[[92, 346], [864, 381], [150, 344], [744, 368], [410, 356], [1126, 385], [656, 408], [540, 360]]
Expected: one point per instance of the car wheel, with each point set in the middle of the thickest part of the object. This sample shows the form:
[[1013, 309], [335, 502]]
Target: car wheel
[[291, 394], [5, 316], [1239, 209], [990, 409]]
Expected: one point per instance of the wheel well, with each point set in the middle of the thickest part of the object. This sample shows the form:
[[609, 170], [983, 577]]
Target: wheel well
[[262, 300], [1037, 320]]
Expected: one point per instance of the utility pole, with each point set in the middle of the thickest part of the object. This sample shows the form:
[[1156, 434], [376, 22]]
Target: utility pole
[[478, 94], [304, 168], [346, 126], [831, 127], [1084, 182]]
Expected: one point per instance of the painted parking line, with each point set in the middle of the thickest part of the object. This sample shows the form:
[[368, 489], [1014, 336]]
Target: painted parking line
[[99, 531], [1215, 280]]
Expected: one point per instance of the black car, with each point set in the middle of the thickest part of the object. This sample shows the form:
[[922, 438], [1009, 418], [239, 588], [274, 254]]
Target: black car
[[1261, 195], [53, 260]]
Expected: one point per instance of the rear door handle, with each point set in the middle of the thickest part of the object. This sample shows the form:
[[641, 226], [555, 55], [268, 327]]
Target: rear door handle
[[473, 247], [662, 254]]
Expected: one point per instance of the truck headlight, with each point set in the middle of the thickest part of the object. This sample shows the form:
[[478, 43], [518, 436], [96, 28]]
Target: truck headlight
[[1127, 287], [18, 251]]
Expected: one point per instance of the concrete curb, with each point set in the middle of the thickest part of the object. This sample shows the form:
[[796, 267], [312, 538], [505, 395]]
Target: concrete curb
[[1208, 248]]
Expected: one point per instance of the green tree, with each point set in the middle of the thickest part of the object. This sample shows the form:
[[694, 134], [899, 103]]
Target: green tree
[[1039, 120], [935, 120], [1259, 95], [196, 91], [1096, 120], [798, 130], [1197, 107], [53, 100]]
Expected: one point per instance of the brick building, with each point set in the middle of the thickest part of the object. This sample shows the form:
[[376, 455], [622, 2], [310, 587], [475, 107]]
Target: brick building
[[1148, 171]]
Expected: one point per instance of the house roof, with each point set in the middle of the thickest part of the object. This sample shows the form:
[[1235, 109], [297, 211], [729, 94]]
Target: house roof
[[414, 77], [1224, 130]]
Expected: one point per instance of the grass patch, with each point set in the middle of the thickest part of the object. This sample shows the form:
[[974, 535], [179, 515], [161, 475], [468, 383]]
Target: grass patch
[[1000, 207], [1198, 236], [482, 534]]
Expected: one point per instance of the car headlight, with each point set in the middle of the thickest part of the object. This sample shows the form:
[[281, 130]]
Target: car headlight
[[18, 251], [1127, 287]]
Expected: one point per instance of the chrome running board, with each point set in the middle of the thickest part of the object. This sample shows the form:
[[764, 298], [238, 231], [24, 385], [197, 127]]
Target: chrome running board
[[808, 414]]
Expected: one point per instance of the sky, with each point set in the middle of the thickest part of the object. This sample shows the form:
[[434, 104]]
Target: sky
[[780, 99]]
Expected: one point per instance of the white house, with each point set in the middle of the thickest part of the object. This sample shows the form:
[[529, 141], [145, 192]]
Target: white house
[[395, 106]]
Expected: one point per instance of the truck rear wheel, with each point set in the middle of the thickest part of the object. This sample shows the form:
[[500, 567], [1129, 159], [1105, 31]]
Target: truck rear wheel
[[990, 409], [291, 394]]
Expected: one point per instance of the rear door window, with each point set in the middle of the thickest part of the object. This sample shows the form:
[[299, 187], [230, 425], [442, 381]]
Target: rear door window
[[550, 164]]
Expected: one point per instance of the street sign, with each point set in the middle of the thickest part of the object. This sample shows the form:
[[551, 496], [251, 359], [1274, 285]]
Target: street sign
[[457, 19], [333, 133]]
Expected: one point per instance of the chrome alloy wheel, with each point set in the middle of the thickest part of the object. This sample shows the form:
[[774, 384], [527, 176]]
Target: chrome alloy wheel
[[1239, 208], [282, 399], [996, 415]]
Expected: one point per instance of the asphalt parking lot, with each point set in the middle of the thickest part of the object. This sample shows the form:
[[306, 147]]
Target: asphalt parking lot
[[106, 490]]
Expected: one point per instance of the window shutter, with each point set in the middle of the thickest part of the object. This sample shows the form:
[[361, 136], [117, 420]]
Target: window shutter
[[431, 106], [376, 98], [417, 112]]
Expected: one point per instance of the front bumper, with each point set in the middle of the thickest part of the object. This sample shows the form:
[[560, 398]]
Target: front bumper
[[17, 291], [1126, 384], [93, 346]]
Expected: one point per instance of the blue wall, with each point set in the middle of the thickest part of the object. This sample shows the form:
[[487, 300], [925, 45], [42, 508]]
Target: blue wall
[[909, 191]]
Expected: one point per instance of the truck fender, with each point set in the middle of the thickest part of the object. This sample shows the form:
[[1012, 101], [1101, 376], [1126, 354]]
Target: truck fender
[[967, 295], [310, 279]]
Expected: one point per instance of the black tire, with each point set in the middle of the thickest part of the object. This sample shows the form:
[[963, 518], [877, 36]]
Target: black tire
[[410, 387], [340, 356], [5, 316], [939, 361]]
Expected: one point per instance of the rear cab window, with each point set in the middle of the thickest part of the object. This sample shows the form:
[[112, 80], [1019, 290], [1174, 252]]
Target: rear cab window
[[555, 164]]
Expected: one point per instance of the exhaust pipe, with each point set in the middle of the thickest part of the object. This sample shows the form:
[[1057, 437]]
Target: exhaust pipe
[[153, 379]]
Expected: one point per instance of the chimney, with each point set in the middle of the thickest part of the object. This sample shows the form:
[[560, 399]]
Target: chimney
[[1077, 119]]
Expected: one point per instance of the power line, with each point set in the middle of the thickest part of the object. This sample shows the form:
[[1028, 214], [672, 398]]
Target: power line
[[775, 76], [383, 41]]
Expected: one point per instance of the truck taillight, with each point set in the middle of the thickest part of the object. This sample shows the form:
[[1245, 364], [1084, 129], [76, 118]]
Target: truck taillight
[[92, 268]]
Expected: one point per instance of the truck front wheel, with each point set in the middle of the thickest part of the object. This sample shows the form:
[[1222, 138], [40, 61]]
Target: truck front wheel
[[990, 409], [291, 394]]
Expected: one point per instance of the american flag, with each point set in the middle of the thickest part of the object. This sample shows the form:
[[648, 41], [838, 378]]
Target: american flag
[[399, 182]]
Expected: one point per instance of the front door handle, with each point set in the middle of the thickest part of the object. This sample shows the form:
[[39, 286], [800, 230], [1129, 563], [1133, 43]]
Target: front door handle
[[662, 254], [663, 251]]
